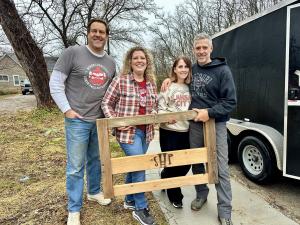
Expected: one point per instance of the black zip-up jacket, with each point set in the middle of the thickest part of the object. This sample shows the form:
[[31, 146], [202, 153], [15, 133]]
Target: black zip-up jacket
[[213, 88]]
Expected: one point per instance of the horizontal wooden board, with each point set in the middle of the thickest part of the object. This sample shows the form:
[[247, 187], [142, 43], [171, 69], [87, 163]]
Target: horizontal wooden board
[[158, 160], [150, 119], [160, 184]]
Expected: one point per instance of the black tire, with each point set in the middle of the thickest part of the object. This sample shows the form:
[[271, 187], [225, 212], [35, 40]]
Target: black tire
[[256, 159], [24, 92], [232, 151]]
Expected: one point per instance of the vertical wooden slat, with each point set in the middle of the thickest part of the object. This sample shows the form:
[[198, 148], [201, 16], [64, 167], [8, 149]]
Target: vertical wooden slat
[[210, 144], [103, 137]]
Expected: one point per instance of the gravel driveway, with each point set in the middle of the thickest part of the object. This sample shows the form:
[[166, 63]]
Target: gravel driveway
[[14, 103]]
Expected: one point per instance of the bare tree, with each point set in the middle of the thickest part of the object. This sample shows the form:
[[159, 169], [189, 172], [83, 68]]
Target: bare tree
[[28, 53], [174, 33], [64, 22]]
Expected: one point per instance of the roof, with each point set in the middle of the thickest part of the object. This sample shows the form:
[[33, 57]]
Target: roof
[[12, 57], [256, 16], [50, 60]]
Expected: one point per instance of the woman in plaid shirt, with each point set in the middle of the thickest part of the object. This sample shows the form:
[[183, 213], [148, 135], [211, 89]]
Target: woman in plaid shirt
[[134, 93]]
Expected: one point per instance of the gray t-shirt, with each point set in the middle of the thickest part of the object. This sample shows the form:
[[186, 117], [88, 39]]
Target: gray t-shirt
[[88, 78]]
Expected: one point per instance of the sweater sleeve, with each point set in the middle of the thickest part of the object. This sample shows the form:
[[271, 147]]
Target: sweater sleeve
[[227, 100], [57, 90], [163, 102]]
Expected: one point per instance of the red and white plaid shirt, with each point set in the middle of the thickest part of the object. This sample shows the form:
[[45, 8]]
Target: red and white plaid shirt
[[122, 99]]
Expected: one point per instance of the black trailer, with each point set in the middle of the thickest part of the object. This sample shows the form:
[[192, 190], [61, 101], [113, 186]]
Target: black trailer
[[264, 55]]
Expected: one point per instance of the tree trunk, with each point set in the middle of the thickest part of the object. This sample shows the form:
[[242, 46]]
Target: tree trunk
[[28, 53]]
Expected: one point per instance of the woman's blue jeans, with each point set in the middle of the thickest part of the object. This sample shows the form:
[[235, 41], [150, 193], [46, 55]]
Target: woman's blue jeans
[[82, 152], [139, 147]]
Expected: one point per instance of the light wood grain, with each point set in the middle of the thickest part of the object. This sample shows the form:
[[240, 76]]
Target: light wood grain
[[167, 159], [160, 184], [103, 137], [210, 143], [149, 119], [158, 160]]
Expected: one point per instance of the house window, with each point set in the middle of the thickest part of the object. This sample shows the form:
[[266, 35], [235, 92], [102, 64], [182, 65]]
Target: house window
[[16, 80], [4, 78]]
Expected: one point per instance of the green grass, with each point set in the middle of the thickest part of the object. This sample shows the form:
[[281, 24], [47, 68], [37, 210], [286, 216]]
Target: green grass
[[32, 144]]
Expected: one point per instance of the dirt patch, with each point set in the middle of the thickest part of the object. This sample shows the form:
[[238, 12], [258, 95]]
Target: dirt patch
[[32, 175]]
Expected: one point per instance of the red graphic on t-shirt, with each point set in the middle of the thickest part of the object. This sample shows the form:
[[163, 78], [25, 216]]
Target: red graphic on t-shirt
[[97, 76]]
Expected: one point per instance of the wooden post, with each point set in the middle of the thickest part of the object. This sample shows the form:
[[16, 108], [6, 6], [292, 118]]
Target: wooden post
[[105, 157], [210, 144]]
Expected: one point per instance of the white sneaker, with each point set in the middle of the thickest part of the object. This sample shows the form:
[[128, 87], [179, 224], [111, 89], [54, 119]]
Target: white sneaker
[[99, 198], [74, 218]]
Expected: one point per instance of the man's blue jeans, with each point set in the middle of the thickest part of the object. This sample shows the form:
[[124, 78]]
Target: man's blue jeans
[[139, 147], [82, 152]]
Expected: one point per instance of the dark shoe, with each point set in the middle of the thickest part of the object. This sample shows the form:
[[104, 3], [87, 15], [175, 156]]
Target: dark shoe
[[143, 216], [224, 221], [197, 203], [177, 205], [129, 205]]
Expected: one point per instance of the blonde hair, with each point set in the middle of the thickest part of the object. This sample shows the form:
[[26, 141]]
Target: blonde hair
[[173, 75], [149, 72]]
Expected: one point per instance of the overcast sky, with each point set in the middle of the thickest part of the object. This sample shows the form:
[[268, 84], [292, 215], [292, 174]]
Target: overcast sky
[[169, 5]]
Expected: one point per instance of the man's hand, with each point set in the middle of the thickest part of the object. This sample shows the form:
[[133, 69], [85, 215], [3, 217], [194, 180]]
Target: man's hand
[[165, 84], [202, 115], [72, 114]]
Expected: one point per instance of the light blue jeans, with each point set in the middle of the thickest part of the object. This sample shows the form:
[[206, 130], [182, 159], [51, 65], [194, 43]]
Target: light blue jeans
[[139, 147], [82, 153]]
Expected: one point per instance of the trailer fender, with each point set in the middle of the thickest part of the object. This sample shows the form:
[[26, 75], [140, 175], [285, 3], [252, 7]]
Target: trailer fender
[[275, 138]]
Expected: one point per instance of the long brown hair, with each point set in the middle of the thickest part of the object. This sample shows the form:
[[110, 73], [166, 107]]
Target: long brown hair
[[173, 75]]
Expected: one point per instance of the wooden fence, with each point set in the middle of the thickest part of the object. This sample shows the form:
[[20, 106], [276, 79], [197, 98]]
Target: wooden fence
[[111, 166]]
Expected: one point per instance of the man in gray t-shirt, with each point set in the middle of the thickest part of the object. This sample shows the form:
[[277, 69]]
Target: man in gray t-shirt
[[78, 83]]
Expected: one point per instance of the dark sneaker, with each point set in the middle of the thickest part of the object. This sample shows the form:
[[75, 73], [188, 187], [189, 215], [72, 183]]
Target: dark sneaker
[[143, 216], [129, 205], [177, 205], [197, 203], [224, 221]]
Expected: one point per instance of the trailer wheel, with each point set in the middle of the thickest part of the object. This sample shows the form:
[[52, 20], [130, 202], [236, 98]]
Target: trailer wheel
[[256, 160]]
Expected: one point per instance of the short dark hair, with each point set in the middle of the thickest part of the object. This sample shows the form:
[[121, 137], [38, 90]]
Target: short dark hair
[[97, 20]]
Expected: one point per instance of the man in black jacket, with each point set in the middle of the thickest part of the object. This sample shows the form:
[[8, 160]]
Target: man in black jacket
[[213, 96]]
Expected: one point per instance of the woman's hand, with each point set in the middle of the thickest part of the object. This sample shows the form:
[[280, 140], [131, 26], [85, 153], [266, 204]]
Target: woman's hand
[[125, 128]]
